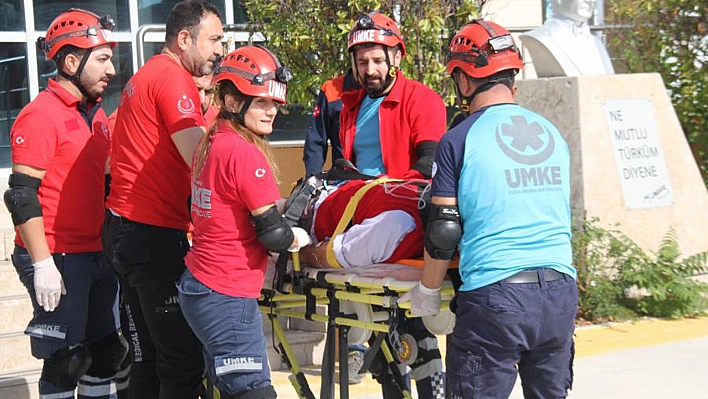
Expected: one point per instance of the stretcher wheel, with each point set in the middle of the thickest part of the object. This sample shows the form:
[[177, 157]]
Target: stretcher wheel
[[441, 323], [410, 350], [358, 336]]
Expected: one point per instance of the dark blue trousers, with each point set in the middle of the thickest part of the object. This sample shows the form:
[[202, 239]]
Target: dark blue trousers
[[503, 329]]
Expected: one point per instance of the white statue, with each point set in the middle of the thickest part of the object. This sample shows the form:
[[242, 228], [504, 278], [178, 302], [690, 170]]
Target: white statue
[[564, 46]]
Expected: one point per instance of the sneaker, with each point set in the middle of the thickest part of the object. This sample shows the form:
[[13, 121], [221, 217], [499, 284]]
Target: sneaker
[[356, 360]]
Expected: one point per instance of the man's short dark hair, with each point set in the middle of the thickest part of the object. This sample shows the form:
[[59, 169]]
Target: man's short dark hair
[[506, 77], [65, 50], [186, 15]]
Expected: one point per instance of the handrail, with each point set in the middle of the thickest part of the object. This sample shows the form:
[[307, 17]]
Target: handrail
[[147, 28], [140, 42], [12, 59]]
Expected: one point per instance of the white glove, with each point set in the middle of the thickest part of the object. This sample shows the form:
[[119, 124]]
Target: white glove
[[48, 284], [424, 301], [302, 239]]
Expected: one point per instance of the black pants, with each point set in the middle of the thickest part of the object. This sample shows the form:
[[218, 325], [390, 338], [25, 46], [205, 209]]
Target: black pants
[[167, 359]]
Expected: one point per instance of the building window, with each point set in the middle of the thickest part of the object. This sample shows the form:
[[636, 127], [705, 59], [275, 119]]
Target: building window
[[240, 14], [13, 92], [46, 10], [12, 15], [156, 11]]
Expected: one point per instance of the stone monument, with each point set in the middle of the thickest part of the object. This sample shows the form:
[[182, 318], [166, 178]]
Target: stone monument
[[631, 165], [564, 46]]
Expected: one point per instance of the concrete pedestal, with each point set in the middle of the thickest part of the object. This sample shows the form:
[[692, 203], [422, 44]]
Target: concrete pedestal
[[602, 175]]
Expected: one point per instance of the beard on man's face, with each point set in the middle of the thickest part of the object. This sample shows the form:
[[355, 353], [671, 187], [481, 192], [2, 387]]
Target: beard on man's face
[[375, 85], [92, 87]]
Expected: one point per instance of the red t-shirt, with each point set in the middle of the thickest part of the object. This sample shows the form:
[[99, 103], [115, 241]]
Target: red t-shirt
[[52, 135], [150, 180], [374, 202], [236, 179]]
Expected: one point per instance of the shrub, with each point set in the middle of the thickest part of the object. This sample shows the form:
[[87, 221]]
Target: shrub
[[618, 280]]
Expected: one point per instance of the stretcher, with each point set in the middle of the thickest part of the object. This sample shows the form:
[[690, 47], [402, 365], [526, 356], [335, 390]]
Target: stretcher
[[361, 305]]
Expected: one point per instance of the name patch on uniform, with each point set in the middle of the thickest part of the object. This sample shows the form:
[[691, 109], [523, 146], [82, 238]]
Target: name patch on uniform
[[71, 124], [45, 330], [237, 364]]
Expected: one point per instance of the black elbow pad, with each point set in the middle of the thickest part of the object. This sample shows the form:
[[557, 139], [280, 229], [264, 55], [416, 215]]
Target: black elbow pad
[[22, 199], [272, 230], [443, 232], [426, 156]]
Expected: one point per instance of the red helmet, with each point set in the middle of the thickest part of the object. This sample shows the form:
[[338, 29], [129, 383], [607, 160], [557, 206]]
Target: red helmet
[[256, 72], [376, 28], [481, 49], [79, 28]]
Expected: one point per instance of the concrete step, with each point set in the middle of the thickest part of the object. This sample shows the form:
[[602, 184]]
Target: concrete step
[[308, 346], [16, 312], [7, 240], [9, 281], [21, 384], [15, 353], [19, 371]]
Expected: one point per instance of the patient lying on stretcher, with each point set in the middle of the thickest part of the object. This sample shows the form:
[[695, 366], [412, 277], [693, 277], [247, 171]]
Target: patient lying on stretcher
[[357, 223], [385, 226]]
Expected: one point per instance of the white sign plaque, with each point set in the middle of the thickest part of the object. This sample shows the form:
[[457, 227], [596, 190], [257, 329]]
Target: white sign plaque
[[638, 153]]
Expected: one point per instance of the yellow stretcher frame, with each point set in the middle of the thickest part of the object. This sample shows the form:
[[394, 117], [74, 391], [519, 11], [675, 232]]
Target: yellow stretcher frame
[[310, 289], [330, 287]]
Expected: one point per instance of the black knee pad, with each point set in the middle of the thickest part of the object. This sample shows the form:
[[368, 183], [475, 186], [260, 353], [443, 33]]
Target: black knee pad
[[66, 366], [108, 354], [258, 393]]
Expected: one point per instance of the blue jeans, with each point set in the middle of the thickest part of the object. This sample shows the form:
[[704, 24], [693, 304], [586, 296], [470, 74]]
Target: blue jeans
[[231, 332], [502, 326]]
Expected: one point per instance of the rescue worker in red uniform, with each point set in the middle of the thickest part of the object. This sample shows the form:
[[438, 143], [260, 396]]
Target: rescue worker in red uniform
[[392, 124], [60, 144], [158, 125], [236, 223]]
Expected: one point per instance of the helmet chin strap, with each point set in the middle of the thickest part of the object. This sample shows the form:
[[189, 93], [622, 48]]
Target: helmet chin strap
[[76, 78], [466, 101], [391, 71], [239, 117], [388, 79], [390, 75]]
